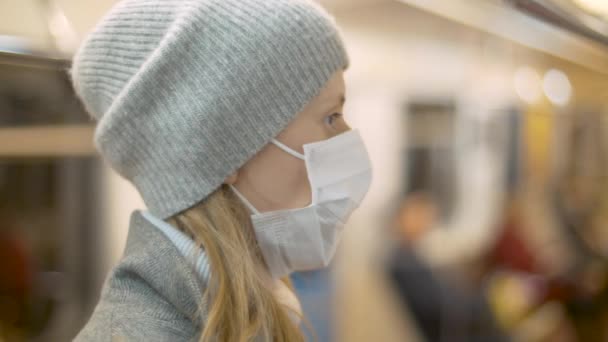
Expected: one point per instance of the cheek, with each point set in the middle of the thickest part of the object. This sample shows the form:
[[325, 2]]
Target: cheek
[[289, 183], [297, 191], [284, 173], [276, 180]]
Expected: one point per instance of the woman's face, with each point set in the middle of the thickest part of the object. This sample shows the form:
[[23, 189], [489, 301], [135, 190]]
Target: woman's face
[[274, 179]]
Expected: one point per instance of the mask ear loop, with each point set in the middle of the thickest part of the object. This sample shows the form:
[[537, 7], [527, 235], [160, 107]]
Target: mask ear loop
[[244, 200], [288, 149], [282, 147], [299, 156]]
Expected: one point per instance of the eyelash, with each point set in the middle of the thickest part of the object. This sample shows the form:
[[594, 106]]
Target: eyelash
[[332, 117]]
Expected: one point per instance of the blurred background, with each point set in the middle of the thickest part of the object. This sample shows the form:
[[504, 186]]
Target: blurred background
[[487, 220]]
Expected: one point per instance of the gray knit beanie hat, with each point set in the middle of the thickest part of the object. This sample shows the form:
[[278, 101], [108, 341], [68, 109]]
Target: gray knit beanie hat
[[186, 91]]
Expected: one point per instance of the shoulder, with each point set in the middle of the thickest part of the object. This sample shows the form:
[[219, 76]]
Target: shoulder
[[150, 295], [139, 314]]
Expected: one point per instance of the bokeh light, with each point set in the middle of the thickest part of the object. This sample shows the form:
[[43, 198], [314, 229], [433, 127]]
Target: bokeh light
[[557, 87]]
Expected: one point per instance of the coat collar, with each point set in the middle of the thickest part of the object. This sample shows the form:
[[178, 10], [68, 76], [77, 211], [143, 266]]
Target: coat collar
[[151, 255], [184, 245]]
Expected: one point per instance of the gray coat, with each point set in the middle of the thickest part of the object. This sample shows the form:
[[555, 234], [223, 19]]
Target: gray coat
[[151, 295]]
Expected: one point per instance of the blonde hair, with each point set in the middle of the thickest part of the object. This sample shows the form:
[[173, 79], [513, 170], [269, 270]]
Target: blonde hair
[[241, 305]]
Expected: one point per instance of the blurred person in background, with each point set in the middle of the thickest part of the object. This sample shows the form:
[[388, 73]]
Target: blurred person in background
[[553, 299], [227, 117], [443, 308]]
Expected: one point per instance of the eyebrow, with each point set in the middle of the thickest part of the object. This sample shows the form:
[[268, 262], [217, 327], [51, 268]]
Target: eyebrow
[[341, 101]]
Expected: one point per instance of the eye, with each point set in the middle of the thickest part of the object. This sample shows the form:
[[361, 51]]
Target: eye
[[333, 118]]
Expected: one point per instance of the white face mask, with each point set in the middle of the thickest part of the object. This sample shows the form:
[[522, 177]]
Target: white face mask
[[339, 172]]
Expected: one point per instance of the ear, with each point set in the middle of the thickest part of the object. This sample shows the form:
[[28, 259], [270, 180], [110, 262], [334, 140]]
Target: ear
[[232, 178]]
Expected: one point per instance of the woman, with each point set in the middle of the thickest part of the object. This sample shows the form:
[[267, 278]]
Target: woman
[[226, 116]]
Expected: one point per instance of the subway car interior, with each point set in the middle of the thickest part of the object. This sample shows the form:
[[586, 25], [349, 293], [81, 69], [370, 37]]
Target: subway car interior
[[486, 122]]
